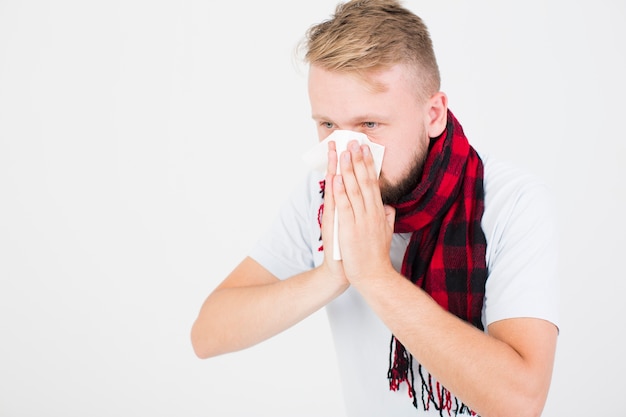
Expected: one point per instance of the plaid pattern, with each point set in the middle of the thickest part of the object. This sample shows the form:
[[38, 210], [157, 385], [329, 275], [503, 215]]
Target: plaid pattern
[[446, 252]]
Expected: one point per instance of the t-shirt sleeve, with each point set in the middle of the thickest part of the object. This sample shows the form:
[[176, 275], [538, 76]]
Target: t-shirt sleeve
[[522, 256], [287, 247]]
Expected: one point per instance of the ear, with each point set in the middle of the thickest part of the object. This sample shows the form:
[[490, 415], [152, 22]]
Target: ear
[[437, 114]]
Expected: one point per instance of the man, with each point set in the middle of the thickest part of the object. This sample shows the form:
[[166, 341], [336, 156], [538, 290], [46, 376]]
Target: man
[[444, 301]]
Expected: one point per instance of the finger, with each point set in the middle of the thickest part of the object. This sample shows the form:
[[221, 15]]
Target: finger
[[365, 172], [341, 199], [329, 200], [350, 185], [368, 159], [344, 216], [364, 191], [331, 168], [328, 214], [390, 216]]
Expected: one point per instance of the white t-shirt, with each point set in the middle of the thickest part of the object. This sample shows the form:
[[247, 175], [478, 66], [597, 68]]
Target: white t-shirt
[[522, 256]]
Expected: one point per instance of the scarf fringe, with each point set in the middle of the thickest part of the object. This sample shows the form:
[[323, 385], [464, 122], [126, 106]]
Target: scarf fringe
[[401, 369], [433, 394]]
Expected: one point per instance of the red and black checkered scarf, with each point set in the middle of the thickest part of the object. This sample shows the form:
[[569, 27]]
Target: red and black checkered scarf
[[446, 252]]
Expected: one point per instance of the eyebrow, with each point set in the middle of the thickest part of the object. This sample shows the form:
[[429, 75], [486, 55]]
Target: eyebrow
[[365, 117]]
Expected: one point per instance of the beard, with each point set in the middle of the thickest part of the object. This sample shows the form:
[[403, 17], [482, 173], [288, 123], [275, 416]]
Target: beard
[[393, 194]]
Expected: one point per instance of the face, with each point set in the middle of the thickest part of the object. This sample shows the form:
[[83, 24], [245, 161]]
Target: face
[[392, 116]]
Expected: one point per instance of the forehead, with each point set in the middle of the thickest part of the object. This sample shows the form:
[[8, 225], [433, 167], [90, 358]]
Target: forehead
[[374, 91], [375, 80]]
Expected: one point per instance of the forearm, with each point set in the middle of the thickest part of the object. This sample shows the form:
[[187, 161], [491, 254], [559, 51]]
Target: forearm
[[234, 318], [485, 372]]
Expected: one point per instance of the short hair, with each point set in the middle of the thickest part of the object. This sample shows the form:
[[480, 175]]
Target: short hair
[[366, 36]]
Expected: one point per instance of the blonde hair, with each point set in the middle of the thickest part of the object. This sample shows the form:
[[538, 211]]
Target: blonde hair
[[366, 36]]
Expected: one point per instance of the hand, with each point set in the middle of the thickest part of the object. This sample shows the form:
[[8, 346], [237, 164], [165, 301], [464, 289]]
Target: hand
[[333, 267], [365, 224]]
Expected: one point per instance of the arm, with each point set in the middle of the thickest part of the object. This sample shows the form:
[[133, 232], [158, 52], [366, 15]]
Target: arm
[[507, 369], [252, 305]]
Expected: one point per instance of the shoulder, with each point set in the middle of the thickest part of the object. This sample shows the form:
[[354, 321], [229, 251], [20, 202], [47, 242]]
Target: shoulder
[[514, 196], [290, 244], [520, 225], [503, 180]]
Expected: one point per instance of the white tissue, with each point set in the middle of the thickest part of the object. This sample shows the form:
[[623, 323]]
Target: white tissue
[[317, 158]]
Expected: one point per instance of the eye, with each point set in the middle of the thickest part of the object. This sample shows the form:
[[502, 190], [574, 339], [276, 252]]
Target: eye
[[327, 125], [370, 125]]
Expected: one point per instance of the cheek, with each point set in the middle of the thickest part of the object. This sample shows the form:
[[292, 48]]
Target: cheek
[[395, 163], [322, 132], [390, 157], [401, 153], [398, 163]]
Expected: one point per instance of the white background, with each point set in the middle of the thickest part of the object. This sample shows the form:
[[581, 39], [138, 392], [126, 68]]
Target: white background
[[144, 146]]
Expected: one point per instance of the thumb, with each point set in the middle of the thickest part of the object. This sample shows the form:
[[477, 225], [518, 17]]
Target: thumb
[[390, 216]]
